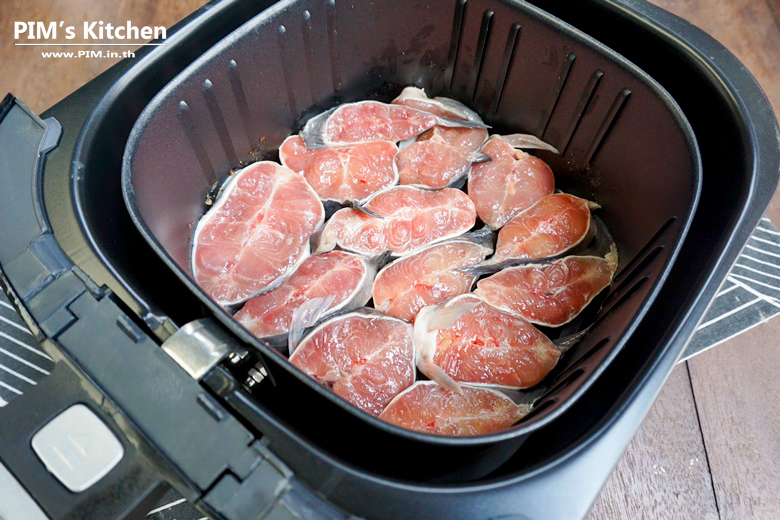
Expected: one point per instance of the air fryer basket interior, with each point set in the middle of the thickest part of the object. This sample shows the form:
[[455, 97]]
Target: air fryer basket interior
[[624, 144]]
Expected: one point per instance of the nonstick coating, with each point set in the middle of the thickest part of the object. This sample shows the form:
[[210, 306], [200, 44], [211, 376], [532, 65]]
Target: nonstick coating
[[625, 144]]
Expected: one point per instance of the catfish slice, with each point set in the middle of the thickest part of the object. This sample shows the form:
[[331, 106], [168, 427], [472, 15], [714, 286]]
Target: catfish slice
[[427, 407], [363, 356]]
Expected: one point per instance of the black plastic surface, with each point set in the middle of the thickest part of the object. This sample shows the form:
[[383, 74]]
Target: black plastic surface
[[105, 361], [624, 142], [129, 491]]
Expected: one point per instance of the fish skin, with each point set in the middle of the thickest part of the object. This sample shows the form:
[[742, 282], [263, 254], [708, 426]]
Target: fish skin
[[528, 142], [429, 320], [417, 98]]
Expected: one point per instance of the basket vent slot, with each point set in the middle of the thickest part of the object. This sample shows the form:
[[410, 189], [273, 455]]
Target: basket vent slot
[[457, 33], [562, 77], [606, 124], [579, 111], [640, 267], [623, 299], [288, 83], [185, 117], [510, 49], [239, 94], [585, 355], [565, 381], [650, 243], [335, 70], [308, 51], [538, 409], [218, 120], [479, 56]]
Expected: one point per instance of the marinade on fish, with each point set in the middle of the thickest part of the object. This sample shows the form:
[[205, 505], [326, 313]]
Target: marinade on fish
[[256, 233], [549, 294], [508, 184], [346, 277], [366, 121], [342, 173], [429, 408], [409, 218], [429, 276], [363, 356]]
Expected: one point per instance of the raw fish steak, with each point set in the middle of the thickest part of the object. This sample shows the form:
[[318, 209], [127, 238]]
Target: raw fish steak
[[429, 408], [482, 346], [440, 156], [551, 294], [510, 183], [256, 233], [410, 218], [364, 357], [372, 121], [441, 106], [342, 173], [428, 277], [345, 276], [550, 227]]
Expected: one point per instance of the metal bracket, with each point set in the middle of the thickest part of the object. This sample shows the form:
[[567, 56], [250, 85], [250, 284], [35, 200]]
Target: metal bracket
[[198, 346]]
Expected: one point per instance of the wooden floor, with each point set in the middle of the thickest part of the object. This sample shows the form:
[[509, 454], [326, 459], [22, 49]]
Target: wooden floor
[[710, 447]]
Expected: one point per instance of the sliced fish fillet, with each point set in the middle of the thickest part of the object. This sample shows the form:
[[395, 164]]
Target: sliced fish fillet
[[427, 277], [440, 156], [552, 226], [409, 218], [427, 407], [345, 276], [484, 345], [256, 233], [364, 357], [551, 294], [366, 121], [342, 173], [512, 182]]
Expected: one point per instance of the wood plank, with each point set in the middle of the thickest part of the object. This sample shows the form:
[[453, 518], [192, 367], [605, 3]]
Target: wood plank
[[737, 393], [664, 472]]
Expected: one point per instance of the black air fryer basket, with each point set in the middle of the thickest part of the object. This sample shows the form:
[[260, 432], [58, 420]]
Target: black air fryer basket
[[624, 144], [223, 418]]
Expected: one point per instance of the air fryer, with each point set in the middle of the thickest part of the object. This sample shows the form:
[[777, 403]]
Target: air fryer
[[220, 436]]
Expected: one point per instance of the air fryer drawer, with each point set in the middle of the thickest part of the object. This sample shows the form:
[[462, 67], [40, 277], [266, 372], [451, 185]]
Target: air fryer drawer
[[624, 143]]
